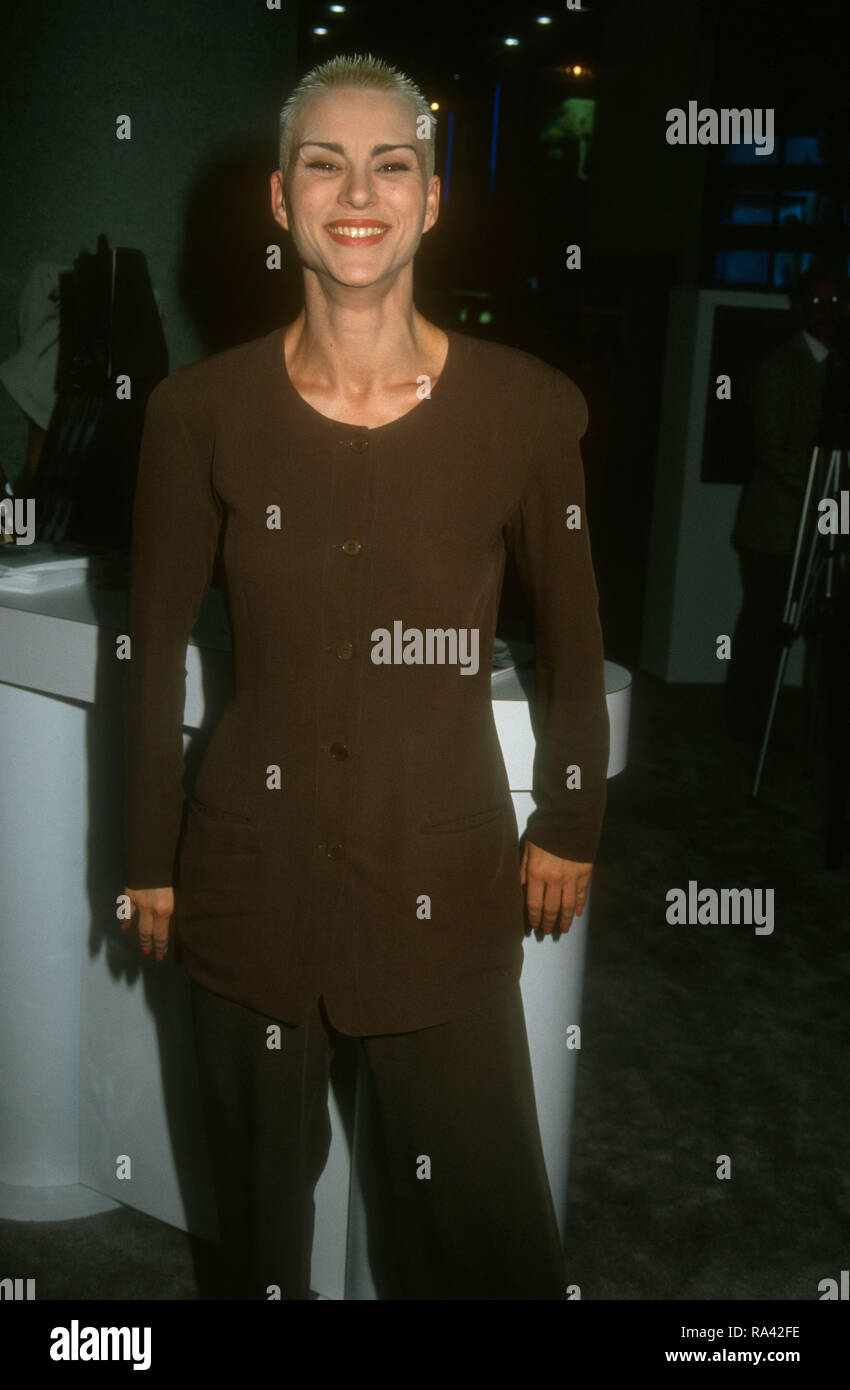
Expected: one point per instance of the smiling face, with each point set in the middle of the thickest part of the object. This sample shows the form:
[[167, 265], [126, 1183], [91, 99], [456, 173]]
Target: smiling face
[[356, 199]]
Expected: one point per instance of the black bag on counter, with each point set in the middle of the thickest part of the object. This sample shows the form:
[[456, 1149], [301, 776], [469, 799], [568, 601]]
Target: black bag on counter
[[110, 330]]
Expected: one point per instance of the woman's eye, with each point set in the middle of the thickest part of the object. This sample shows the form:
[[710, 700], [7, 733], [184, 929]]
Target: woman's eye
[[326, 164]]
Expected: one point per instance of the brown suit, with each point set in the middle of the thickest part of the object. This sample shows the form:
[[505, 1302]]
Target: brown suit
[[787, 401], [383, 871]]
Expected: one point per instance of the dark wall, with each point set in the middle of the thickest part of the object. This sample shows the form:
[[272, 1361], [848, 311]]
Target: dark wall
[[648, 195], [203, 81]]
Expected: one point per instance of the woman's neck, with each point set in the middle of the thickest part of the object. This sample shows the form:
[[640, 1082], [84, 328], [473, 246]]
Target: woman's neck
[[351, 342]]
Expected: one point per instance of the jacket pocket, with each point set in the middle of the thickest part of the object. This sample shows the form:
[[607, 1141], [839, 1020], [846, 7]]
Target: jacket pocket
[[213, 813], [467, 822]]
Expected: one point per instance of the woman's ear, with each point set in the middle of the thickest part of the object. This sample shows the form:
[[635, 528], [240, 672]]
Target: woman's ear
[[278, 199]]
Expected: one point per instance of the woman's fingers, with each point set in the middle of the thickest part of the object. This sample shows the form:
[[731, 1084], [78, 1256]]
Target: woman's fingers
[[160, 933], [155, 907], [145, 929], [556, 889]]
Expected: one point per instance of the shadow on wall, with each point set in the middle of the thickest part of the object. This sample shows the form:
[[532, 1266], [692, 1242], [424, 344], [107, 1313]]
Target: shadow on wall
[[225, 284]]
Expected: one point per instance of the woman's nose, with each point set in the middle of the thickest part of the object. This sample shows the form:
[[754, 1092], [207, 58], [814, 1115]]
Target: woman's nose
[[358, 188]]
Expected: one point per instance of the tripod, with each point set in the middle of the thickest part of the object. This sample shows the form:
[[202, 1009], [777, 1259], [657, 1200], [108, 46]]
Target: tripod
[[822, 584]]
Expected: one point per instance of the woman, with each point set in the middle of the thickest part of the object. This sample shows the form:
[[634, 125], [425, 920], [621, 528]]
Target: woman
[[350, 861]]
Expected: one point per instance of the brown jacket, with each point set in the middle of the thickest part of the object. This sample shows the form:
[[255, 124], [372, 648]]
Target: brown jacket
[[379, 867]]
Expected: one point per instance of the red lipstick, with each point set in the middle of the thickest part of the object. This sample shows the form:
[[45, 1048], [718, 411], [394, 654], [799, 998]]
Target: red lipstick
[[358, 226]]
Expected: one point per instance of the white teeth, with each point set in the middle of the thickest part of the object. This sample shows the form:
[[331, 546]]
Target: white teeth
[[357, 231]]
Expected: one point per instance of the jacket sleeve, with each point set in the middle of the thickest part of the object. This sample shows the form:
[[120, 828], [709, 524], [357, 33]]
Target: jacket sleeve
[[176, 521], [569, 713]]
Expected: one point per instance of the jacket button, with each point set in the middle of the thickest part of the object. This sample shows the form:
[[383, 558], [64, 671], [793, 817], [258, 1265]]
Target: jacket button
[[359, 444], [339, 751], [345, 651], [352, 547], [334, 850]]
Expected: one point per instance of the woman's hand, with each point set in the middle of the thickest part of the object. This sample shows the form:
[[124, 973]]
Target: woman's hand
[[156, 908], [554, 888]]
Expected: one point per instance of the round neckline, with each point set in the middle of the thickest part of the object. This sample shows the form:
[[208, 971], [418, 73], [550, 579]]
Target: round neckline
[[290, 389]]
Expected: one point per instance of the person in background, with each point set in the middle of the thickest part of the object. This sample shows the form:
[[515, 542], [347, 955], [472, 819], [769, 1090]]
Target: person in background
[[787, 405]]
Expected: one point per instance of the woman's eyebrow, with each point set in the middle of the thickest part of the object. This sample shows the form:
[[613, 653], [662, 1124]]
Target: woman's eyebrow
[[340, 149]]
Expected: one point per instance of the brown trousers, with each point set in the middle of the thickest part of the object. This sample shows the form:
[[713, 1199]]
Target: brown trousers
[[482, 1226]]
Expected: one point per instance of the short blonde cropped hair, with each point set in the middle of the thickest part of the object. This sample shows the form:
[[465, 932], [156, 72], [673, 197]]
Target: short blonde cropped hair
[[358, 70]]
